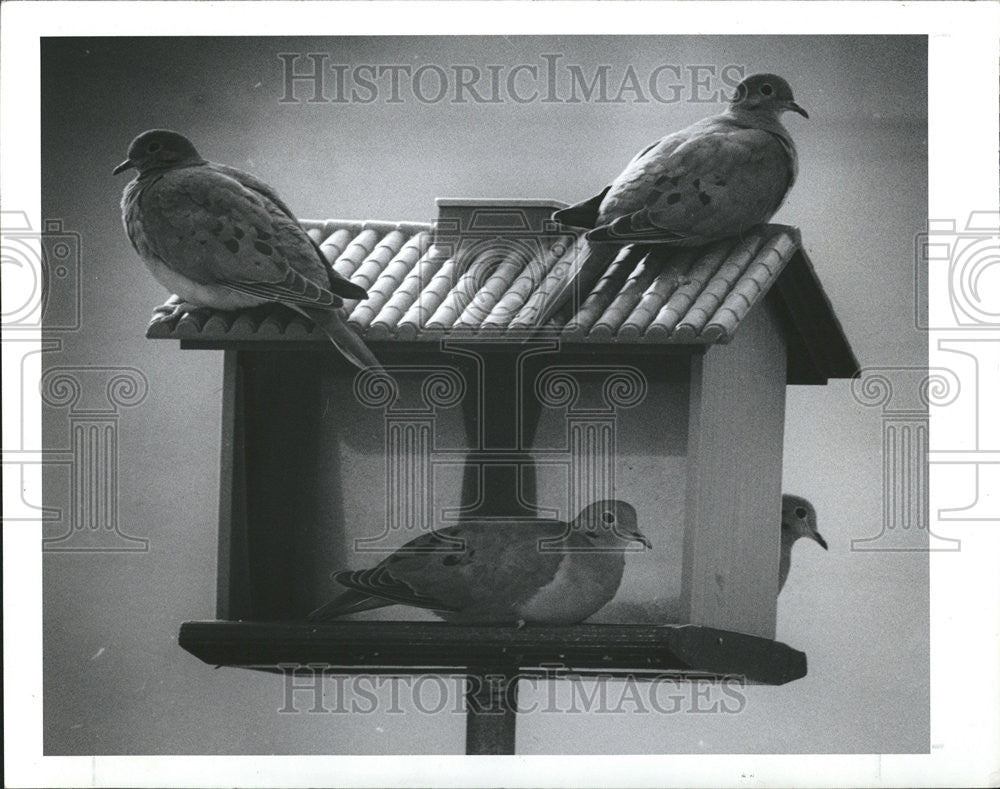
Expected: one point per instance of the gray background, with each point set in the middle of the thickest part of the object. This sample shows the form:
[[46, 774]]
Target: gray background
[[115, 679]]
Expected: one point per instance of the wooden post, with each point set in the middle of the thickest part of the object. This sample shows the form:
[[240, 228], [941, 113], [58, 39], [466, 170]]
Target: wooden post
[[281, 395], [491, 711], [233, 578]]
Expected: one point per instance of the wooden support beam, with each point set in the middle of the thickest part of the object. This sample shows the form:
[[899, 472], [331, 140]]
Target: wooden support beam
[[233, 576]]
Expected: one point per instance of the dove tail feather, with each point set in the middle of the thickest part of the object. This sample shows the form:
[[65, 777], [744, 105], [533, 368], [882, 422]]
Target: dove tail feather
[[581, 214], [344, 287], [350, 602], [634, 228], [583, 272], [339, 284], [346, 341]]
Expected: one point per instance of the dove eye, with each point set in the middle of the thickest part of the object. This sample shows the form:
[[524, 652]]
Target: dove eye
[[153, 147], [608, 517], [801, 512], [766, 89]]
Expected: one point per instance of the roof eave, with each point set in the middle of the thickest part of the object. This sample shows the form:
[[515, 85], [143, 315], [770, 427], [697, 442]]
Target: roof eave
[[818, 348]]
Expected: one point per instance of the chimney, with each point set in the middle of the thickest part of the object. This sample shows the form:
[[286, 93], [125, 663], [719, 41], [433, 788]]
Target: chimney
[[467, 223]]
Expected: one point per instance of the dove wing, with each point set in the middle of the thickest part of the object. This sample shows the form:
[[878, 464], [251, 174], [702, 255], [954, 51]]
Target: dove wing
[[465, 565], [587, 212], [380, 582], [339, 284], [212, 230], [712, 185]]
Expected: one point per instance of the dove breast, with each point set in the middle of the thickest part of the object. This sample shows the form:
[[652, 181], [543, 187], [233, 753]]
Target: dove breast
[[583, 584], [195, 292]]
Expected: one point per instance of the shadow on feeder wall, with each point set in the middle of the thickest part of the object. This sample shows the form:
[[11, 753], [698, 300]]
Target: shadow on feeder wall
[[572, 432], [374, 466]]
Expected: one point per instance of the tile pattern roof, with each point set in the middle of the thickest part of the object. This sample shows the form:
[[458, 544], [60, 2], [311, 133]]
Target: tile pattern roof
[[420, 290]]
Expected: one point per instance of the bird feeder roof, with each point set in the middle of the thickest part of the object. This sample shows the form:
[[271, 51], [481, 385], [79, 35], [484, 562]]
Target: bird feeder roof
[[490, 268]]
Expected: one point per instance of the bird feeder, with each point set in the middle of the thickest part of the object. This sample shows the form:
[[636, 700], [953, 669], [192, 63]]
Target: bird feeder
[[660, 381]]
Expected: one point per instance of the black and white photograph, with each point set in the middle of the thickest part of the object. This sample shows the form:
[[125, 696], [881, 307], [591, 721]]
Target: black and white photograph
[[599, 388]]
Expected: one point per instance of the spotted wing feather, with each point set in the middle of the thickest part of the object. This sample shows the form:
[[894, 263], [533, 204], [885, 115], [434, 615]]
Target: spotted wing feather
[[338, 283], [210, 229], [715, 181]]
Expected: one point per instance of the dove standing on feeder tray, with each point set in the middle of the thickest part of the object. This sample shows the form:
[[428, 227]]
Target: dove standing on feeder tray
[[798, 519], [222, 239], [501, 573], [715, 179]]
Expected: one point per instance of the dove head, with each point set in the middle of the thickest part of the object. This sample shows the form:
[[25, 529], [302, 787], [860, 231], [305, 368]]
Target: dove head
[[765, 93], [159, 149], [610, 523], [798, 519]]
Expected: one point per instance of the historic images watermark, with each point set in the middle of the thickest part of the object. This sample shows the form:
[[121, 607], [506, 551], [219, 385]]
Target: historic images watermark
[[587, 453], [496, 260], [964, 317], [317, 689], [93, 397], [42, 307], [315, 78], [904, 396]]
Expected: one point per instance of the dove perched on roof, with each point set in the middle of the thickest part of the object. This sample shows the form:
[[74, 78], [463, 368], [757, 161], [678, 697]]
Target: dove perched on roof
[[223, 239], [714, 179], [498, 573], [798, 519]]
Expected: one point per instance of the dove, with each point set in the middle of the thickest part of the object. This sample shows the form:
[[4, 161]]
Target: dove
[[481, 572], [223, 239], [798, 519], [715, 179]]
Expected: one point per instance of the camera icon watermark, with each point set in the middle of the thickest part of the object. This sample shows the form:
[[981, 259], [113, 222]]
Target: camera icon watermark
[[77, 460], [41, 274], [968, 259]]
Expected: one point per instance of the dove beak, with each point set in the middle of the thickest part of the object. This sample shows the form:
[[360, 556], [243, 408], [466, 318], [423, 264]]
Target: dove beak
[[643, 539], [123, 167], [819, 538], [796, 108]]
